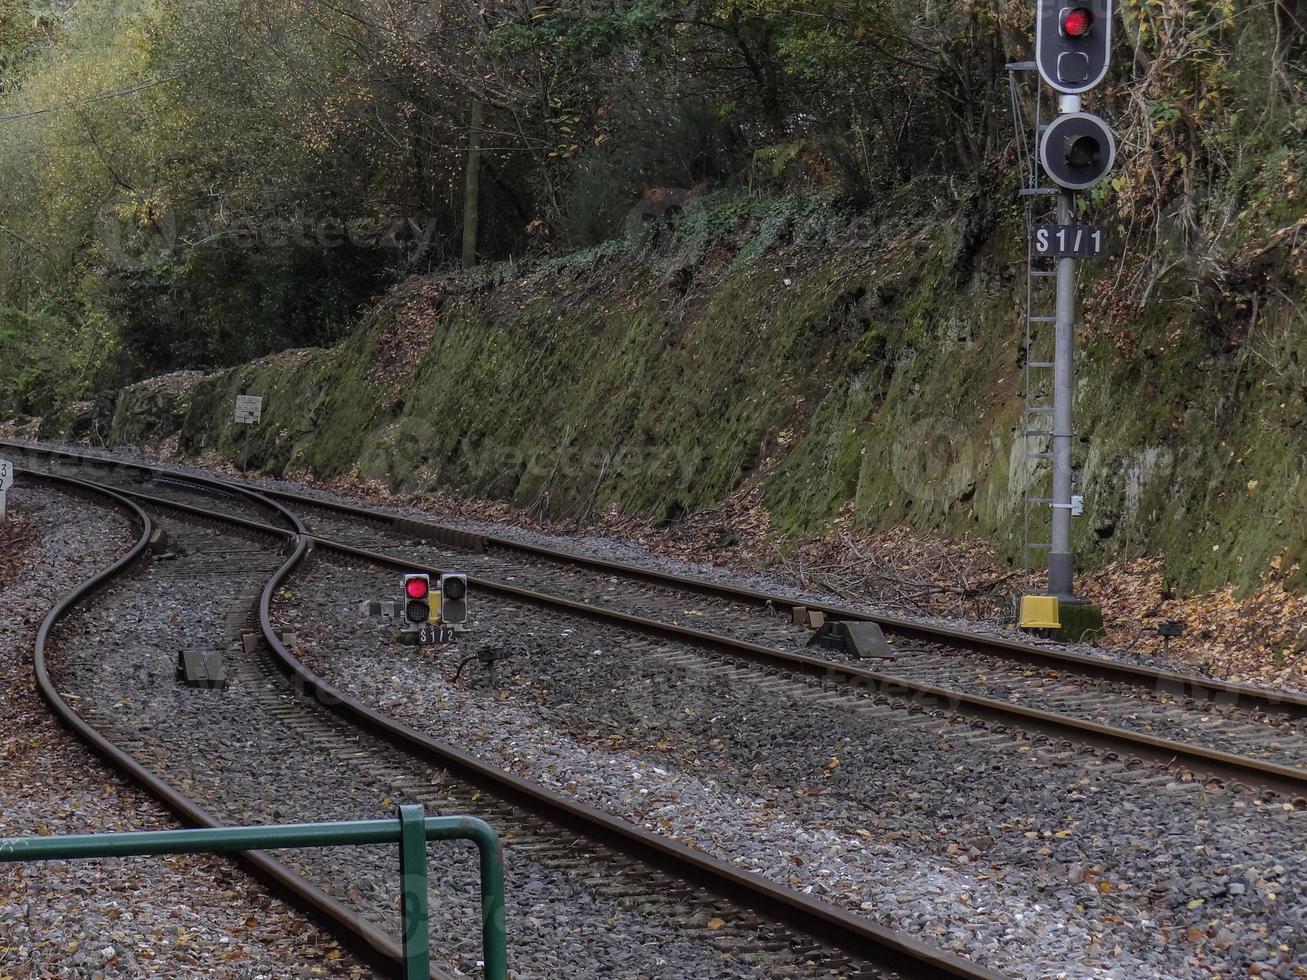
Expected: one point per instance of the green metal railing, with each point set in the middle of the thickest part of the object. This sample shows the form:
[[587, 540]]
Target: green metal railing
[[411, 831]]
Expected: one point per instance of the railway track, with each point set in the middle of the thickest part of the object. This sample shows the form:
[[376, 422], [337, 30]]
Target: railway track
[[199, 752], [1228, 732]]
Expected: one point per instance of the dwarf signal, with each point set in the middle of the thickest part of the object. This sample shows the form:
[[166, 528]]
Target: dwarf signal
[[433, 616], [417, 598], [453, 598]]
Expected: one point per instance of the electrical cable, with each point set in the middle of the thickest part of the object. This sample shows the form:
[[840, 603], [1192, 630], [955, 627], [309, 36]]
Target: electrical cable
[[101, 97]]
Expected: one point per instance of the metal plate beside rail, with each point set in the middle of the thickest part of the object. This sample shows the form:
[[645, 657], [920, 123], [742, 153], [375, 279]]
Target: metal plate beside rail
[[464, 540]]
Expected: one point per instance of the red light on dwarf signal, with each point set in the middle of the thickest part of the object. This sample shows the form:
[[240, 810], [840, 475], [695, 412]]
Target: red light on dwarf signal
[[417, 588], [1076, 22]]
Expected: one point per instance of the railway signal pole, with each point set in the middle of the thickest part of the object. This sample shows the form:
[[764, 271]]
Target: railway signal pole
[[6, 481], [1061, 561], [1076, 150]]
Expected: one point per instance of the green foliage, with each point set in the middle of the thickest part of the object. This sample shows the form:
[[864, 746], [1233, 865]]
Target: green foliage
[[51, 360], [871, 376], [205, 181], [26, 28]]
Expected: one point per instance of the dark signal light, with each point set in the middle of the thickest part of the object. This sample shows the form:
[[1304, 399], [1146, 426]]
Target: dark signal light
[[1077, 21], [1077, 150], [453, 598], [1083, 151]]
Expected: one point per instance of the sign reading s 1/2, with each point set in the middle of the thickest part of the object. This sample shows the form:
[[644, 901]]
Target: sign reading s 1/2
[[1068, 241], [6, 475], [433, 634]]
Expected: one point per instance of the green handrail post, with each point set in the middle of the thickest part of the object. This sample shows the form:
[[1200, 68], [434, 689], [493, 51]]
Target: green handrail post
[[494, 928], [413, 892], [411, 832]]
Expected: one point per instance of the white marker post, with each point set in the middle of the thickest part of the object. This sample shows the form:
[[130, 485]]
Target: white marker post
[[6, 481], [249, 409]]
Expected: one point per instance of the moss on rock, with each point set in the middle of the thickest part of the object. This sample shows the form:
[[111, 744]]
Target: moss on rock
[[839, 362]]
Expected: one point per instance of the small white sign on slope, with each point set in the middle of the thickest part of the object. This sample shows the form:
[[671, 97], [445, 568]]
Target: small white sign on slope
[[249, 409]]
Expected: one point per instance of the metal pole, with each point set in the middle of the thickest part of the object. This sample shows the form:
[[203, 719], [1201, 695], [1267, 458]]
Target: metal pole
[[494, 929], [1061, 564], [413, 900]]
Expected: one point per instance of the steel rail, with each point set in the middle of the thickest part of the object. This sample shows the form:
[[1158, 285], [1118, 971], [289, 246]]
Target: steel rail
[[1212, 763], [357, 933], [846, 931], [842, 929], [1227, 766], [1226, 693]]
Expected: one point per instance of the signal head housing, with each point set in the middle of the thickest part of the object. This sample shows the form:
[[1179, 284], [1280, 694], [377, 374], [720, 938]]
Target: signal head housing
[[453, 598], [417, 598], [1077, 150], [1073, 42]]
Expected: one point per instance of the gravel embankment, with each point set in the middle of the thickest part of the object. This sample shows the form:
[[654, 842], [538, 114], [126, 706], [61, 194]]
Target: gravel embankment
[[1034, 866], [184, 916]]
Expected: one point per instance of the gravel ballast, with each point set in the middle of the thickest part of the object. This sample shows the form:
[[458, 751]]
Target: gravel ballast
[[182, 916], [635, 553], [1036, 865], [1054, 871], [258, 752]]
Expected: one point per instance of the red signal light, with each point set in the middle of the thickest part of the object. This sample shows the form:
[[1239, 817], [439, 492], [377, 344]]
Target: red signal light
[[1077, 21], [417, 588]]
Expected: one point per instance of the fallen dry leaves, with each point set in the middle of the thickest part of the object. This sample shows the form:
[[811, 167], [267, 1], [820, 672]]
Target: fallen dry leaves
[[1260, 637], [418, 305]]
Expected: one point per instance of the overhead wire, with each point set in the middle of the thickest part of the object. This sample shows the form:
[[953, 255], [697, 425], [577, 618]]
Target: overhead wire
[[90, 99]]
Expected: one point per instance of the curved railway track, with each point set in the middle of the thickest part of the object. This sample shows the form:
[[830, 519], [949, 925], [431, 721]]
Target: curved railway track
[[774, 931], [267, 868], [1217, 730]]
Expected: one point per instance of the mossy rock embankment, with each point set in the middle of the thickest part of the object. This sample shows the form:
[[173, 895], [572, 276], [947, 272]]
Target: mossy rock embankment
[[877, 367]]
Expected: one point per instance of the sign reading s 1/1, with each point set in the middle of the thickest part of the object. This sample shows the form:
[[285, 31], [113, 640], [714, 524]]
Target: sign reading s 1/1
[[6, 475], [1068, 241]]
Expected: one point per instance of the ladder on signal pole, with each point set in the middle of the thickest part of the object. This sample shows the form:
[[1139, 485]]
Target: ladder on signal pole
[[1038, 340]]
